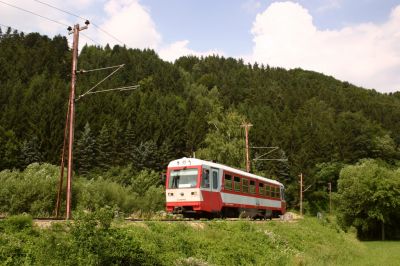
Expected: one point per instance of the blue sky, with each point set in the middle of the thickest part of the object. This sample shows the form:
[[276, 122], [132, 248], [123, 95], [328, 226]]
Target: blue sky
[[226, 24], [356, 41]]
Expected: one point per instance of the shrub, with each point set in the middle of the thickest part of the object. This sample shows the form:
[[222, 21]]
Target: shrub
[[31, 191]]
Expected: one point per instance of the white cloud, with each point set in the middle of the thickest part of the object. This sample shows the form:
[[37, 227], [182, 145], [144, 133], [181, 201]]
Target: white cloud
[[180, 48], [131, 23], [365, 54]]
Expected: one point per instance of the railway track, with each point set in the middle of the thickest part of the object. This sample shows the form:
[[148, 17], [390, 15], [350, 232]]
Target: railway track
[[50, 220]]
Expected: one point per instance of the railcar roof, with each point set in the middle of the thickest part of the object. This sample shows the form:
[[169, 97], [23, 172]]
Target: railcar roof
[[193, 161]]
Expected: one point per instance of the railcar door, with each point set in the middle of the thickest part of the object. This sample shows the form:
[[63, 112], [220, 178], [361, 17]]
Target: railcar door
[[215, 184], [206, 180]]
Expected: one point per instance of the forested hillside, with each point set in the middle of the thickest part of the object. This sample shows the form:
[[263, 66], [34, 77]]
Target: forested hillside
[[195, 105]]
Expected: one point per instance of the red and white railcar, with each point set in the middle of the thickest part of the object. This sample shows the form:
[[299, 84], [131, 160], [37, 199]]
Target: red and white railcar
[[198, 188]]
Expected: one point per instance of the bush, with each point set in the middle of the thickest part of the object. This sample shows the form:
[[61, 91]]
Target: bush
[[94, 194], [17, 223], [31, 191], [34, 191]]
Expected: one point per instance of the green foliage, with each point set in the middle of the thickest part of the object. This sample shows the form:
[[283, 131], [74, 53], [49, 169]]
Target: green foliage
[[144, 180], [195, 105], [94, 194], [95, 239], [245, 243], [30, 152], [380, 253], [34, 191], [9, 149], [369, 198], [31, 191], [153, 200], [85, 151], [17, 223], [104, 148], [225, 141], [90, 240]]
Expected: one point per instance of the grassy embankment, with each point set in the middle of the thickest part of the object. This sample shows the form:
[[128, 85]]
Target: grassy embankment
[[92, 241], [385, 253]]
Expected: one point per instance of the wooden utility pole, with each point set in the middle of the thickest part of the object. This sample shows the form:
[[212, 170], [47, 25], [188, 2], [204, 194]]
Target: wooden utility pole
[[246, 127], [75, 32], [58, 203], [330, 197], [301, 194], [70, 122]]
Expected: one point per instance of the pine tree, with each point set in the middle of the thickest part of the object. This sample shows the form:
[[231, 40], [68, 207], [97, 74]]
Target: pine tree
[[145, 155], [117, 144], [129, 143], [85, 151], [30, 152], [9, 149], [104, 148]]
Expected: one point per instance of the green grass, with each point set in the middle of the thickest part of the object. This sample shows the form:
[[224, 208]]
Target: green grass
[[385, 253], [304, 242], [90, 240]]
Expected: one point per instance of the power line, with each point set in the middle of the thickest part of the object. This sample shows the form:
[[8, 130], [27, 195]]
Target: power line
[[109, 34], [87, 37], [33, 13], [59, 9], [13, 28], [77, 16]]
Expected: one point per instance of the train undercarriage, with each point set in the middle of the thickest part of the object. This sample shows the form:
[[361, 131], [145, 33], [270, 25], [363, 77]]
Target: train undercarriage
[[227, 212]]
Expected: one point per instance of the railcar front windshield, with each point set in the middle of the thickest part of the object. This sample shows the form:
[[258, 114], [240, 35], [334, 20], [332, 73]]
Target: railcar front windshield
[[183, 178]]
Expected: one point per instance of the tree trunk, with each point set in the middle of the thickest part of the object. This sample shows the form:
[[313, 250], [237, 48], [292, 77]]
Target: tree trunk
[[383, 231]]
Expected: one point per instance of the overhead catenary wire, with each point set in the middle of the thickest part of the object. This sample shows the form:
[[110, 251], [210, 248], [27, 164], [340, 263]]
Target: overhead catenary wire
[[98, 69], [126, 88], [109, 75], [80, 17]]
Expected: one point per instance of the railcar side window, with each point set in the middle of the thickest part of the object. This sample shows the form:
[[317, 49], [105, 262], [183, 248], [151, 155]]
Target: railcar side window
[[205, 180], [272, 192], [252, 187], [237, 183], [277, 192], [245, 185], [268, 191], [261, 190], [228, 182]]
